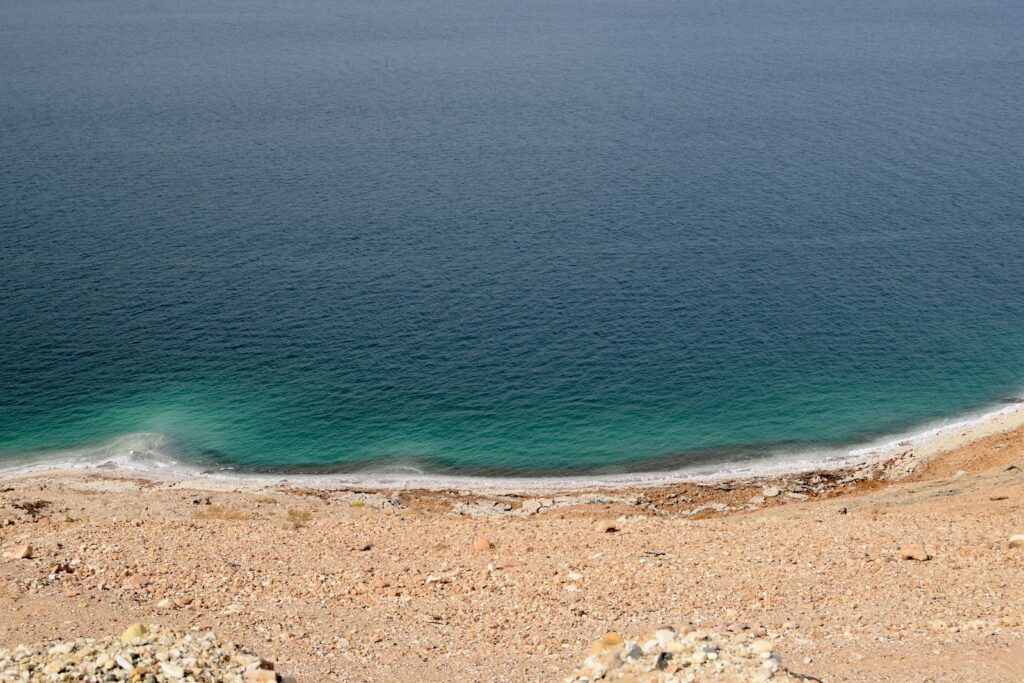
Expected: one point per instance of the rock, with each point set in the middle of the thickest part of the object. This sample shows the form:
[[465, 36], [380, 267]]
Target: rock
[[20, 552], [914, 551], [247, 661], [172, 671], [667, 655], [482, 545], [757, 500], [362, 545], [531, 507], [507, 564], [132, 632], [608, 641], [166, 603], [155, 655], [770, 491], [53, 668], [606, 526], [136, 582], [438, 579], [1016, 541]]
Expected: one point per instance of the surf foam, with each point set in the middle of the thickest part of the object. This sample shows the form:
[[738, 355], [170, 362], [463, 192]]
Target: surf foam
[[145, 455]]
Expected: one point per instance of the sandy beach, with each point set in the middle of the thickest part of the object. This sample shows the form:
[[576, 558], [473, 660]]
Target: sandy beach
[[891, 570]]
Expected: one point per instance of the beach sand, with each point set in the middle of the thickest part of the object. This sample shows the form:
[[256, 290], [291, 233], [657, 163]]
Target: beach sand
[[445, 585]]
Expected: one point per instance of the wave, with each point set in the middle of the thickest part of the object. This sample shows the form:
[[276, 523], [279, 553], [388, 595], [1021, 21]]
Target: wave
[[144, 453], [147, 455]]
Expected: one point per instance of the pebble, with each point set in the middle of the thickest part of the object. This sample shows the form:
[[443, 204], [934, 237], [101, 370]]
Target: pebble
[[770, 491], [21, 552], [438, 579], [136, 582], [606, 526], [531, 507], [54, 667], [507, 564], [1017, 541], [143, 654], [132, 632], [482, 545], [914, 551], [172, 670]]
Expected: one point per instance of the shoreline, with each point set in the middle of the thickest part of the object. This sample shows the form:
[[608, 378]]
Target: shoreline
[[875, 468], [900, 454], [901, 569]]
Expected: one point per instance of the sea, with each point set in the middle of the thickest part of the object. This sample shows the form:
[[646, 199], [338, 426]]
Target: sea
[[482, 238]]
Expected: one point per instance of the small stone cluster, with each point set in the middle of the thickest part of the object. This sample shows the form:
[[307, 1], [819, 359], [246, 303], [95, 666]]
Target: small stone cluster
[[141, 655], [688, 655]]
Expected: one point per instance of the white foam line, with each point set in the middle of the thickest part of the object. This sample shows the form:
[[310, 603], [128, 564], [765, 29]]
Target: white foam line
[[141, 455], [130, 453]]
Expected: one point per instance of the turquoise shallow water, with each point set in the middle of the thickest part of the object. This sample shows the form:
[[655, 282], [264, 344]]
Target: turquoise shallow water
[[494, 238]]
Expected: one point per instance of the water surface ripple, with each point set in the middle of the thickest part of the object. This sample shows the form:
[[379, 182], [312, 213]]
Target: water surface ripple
[[505, 238]]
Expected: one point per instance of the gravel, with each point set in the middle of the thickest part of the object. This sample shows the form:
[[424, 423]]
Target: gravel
[[143, 654], [686, 655]]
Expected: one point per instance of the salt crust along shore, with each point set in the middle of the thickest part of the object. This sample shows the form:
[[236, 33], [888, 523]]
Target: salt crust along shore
[[139, 456], [902, 569]]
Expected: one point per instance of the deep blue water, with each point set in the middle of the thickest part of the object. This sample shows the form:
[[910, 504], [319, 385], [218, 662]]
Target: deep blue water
[[506, 236]]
